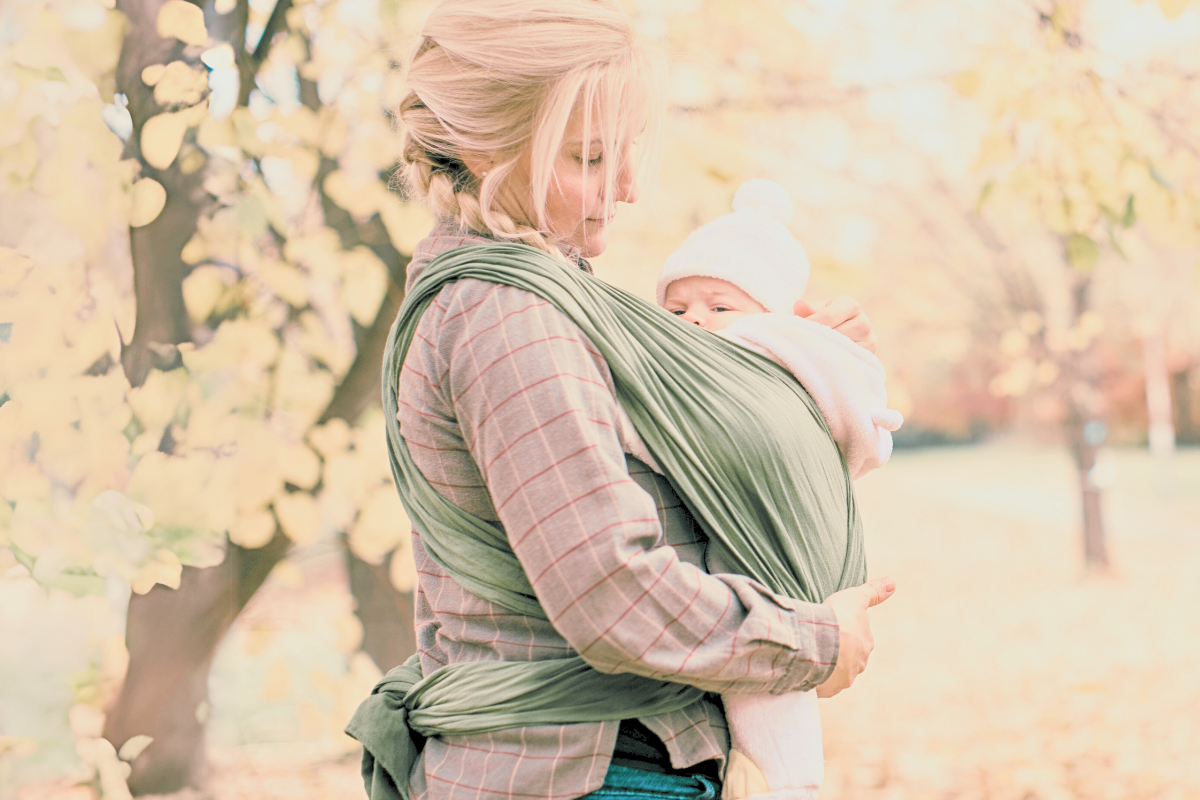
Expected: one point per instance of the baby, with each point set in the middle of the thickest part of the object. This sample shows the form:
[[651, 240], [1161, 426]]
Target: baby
[[741, 275]]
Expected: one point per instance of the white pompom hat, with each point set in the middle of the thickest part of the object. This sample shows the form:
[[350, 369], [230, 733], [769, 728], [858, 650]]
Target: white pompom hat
[[751, 248]]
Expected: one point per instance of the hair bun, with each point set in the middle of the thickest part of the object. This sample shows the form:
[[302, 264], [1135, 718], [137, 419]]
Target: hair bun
[[766, 196]]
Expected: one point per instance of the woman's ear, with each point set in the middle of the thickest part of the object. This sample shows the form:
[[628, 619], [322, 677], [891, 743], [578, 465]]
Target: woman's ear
[[478, 166]]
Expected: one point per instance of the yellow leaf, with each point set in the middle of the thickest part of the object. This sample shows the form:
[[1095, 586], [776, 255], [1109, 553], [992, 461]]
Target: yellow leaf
[[288, 574], [406, 223], [304, 389], [1173, 8], [259, 475], [363, 284], [180, 85], [87, 722], [195, 250], [182, 20], [288, 283], [1014, 342], [203, 288], [360, 198], [149, 197], [1047, 372], [298, 516], [381, 526], [155, 401], [330, 439], [995, 147], [259, 636], [301, 467], [403, 570], [1082, 252], [252, 529], [162, 136], [349, 633], [153, 74], [214, 134], [967, 83], [134, 747], [164, 568], [207, 505]]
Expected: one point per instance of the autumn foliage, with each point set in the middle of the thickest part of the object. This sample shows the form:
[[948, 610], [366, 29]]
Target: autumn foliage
[[201, 251]]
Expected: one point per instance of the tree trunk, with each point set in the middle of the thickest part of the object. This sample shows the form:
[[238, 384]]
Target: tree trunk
[[158, 266], [1085, 433], [1161, 433], [1187, 422], [172, 636], [389, 635]]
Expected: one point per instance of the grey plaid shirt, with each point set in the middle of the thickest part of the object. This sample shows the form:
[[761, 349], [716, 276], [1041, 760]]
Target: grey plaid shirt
[[509, 412]]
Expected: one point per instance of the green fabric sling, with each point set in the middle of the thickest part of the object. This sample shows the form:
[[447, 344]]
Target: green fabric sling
[[739, 439]]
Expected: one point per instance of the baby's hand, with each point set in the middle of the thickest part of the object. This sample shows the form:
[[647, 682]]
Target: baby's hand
[[844, 315]]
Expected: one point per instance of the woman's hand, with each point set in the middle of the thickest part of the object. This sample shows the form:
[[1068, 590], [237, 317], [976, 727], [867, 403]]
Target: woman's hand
[[844, 315], [855, 641]]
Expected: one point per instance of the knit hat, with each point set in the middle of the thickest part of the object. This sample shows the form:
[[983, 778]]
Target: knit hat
[[751, 248]]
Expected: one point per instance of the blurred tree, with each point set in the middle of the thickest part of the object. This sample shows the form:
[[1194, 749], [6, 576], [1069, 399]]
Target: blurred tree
[[268, 262], [1104, 157]]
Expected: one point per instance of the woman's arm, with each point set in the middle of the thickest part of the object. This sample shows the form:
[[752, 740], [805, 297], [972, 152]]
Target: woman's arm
[[535, 404]]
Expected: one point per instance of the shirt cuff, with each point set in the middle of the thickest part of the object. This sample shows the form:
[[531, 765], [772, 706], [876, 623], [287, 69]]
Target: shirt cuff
[[818, 638]]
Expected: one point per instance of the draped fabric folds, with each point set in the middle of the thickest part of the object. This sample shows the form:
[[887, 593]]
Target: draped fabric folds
[[739, 439]]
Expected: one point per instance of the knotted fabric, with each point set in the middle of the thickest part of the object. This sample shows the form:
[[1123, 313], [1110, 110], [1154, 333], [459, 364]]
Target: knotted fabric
[[739, 439]]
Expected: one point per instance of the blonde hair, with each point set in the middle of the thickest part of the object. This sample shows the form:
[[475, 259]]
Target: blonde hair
[[494, 80]]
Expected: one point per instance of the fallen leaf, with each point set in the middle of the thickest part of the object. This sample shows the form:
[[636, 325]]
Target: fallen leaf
[[182, 20], [149, 197]]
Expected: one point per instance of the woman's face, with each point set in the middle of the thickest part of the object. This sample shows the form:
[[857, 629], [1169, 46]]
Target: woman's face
[[576, 211]]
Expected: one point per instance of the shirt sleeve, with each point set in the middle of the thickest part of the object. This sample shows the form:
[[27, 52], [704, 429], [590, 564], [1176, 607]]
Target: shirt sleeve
[[535, 404]]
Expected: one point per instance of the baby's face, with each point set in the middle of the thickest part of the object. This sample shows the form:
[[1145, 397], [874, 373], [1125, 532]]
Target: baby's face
[[710, 303]]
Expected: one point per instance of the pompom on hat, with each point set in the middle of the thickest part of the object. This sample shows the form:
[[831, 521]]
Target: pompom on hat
[[751, 248]]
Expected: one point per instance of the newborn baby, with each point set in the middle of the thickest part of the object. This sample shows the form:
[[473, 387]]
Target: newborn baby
[[741, 275]]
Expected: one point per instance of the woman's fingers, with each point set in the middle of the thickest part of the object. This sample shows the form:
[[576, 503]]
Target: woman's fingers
[[878, 590], [855, 640]]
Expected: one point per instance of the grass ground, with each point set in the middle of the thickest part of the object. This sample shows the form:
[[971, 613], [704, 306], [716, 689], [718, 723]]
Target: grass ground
[[1002, 671]]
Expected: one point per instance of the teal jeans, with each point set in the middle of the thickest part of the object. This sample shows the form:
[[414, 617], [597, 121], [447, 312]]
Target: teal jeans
[[627, 783]]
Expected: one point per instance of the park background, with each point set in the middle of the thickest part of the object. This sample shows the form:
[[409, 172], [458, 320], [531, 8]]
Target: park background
[[199, 540]]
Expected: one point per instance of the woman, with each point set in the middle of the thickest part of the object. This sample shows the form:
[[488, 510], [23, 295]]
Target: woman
[[520, 125]]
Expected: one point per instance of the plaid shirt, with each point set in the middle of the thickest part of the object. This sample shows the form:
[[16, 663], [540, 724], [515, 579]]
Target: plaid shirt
[[509, 411]]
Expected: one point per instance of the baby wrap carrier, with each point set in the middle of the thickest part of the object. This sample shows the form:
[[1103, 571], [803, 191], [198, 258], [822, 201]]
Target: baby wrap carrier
[[739, 439]]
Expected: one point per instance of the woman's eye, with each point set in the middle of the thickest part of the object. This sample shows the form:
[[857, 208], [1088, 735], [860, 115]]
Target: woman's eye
[[595, 162]]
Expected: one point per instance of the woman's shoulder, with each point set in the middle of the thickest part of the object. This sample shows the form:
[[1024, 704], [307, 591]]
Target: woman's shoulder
[[474, 304], [444, 237]]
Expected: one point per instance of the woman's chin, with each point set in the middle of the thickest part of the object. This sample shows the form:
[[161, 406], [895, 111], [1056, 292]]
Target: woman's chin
[[593, 241]]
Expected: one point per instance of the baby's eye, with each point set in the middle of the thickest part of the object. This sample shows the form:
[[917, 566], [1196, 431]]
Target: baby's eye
[[679, 312], [719, 309]]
